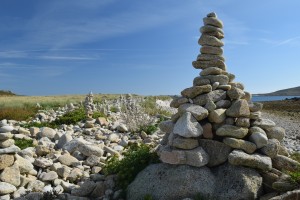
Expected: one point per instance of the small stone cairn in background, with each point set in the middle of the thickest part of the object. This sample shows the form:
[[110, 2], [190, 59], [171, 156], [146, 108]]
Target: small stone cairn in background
[[217, 121], [89, 110]]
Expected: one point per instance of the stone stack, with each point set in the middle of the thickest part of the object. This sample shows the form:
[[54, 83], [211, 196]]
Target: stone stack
[[217, 121]]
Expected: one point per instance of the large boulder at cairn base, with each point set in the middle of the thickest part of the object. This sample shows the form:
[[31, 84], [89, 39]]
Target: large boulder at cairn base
[[168, 182]]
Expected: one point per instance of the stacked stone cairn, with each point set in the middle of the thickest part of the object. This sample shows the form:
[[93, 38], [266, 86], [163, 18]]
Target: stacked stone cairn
[[217, 121], [89, 110]]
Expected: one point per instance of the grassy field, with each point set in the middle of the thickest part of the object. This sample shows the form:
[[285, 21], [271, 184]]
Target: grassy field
[[290, 108], [24, 107]]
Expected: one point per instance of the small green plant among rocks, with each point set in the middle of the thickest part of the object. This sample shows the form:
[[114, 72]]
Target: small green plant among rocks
[[148, 197], [135, 160], [23, 143]]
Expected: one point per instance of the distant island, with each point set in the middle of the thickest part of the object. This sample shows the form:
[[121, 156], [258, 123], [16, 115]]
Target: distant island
[[295, 91], [7, 93]]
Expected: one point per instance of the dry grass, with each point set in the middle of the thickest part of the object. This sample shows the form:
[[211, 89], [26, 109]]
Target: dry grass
[[48, 101], [288, 108]]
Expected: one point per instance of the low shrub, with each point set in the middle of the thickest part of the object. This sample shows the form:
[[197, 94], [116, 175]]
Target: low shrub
[[135, 160], [23, 143], [16, 113]]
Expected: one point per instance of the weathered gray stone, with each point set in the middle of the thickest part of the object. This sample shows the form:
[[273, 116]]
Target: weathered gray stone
[[214, 96], [238, 157], [11, 175], [235, 93], [197, 111], [187, 126], [6, 188], [5, 136], [208, 57], [25, 165], [211, 63], [210, 105], [196, 157], [185, 143], [6, 160], [207, 131], [255, 106], [232, 131], [7, 143], [243, 122], [43, 162], [213, 21], [239, 108], [275, 133], [67, 159], [217, 116], [223, 104], [167, 126], [211, 50], [6, 128], [290, 195], [255, 115], [237, 85], [11, 149], [217, 151], [175, 103], [48, 176], [210, 41], [36, 186], [85, 189], [272, 148], [248, 147], [259, 139], [64, 139], [264, 124], [216, 184], [195, 91], [284, 163], [221, 79], [89, 149], [211, 71], [47, 132]]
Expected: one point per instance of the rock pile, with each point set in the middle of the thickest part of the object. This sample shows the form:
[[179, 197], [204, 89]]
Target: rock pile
[[218, 123]]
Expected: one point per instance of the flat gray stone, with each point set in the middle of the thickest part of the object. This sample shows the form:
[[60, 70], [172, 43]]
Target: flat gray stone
[[238, 157], [48, 176], [167, 126], [195, 91], [6, 188], [214, 96], [284, 163], [272, 148], [235, 93], [5, 136], [197, 111], [232, 131], [175, 103], [275, 133], [185, 143], [6, 128], [11, 149], [211, 71], [211, 63], [210, 41], [244, 145], [196, 157], [89, 149], [11, 175], [264, 123], [211, 50]]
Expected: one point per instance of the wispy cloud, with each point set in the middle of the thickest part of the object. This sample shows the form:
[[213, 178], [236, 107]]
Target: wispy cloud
[[293, 41]]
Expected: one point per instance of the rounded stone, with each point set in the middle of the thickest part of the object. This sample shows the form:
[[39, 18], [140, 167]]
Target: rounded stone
[[6, 188], [6, 160]]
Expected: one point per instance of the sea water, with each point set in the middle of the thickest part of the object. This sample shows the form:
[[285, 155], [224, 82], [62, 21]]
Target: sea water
[[271, 98]]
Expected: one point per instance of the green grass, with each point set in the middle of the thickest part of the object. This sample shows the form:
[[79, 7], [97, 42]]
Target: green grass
[[16, 113], [23, 143], [135, 160], [149, 106]]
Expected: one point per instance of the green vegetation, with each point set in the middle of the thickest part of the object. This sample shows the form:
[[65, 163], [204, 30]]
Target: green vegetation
[[72, 117], [295, 175], [150, 129], [16, 113], [148, 197], [113, 109], [6, 93], [23, 143], [135, 160], [296, 156], [149, 105]]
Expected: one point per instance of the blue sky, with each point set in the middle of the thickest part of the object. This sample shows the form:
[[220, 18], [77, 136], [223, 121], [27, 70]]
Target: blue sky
[[141, 46]]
